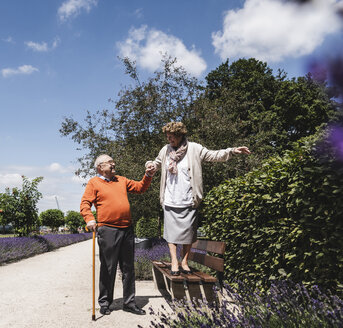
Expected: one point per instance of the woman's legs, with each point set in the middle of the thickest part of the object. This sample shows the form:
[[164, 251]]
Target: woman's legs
[[184, 261], [174, 261]]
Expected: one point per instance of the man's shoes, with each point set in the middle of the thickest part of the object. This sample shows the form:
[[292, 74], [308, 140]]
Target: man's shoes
[[175, 273], [133, 308], [112, 306], [105, 310]]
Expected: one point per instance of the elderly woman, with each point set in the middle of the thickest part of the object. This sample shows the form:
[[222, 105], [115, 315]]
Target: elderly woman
[[181, 189]]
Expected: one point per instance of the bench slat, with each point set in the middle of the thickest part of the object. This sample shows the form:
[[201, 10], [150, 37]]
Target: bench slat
[[164, 269], [197, 276], [205, 277], [212, 262], [217, 247]]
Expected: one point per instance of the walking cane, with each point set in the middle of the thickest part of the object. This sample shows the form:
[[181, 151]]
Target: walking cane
[[93, 313], [93, 275]]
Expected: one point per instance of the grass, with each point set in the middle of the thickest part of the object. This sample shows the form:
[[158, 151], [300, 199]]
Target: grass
[[7, 235]]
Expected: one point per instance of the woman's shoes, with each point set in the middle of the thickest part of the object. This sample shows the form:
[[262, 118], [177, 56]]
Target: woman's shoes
[[175, 273], [181, 270], [185, 271]]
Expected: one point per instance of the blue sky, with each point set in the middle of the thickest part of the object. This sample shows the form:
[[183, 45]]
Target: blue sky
[[59, 58]]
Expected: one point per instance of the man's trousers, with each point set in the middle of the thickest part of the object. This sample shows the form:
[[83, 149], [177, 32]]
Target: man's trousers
[[116, 245]]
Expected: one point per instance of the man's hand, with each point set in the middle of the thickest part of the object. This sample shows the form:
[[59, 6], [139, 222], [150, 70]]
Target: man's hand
[[91, 225], [150, 170], [242, 150]]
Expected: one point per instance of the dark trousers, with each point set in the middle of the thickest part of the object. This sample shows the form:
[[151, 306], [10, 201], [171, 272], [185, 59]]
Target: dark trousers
[[116, 245]]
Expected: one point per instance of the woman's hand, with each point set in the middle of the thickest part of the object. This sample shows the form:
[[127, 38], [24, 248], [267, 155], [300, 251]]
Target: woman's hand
[[242, 150], [150, 169]]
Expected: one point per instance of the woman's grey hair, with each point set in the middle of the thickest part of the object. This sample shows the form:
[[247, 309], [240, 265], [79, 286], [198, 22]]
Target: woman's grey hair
[[177, 128], [101, 159]]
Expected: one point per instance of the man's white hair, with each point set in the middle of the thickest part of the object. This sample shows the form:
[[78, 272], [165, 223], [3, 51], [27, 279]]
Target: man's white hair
[[101, 159]]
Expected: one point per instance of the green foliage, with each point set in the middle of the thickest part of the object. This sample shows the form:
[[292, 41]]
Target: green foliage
[[240, 104], [131, 132], [52, 218], [20, 206], [143, 269], [147, 228], [245, 104], [74, 221], [283, 220]]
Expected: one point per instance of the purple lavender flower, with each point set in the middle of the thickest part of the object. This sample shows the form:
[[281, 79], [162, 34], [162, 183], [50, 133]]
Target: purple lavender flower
[[335, 139], [17, 248], [285, 305]]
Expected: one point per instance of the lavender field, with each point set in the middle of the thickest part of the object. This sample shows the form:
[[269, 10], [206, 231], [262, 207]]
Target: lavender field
[[16, 248], [285, 304], [143, 258]]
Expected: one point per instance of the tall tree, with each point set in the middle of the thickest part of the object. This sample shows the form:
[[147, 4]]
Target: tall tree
[[131, 132], [245, 104], [20, 206], [240, 104], [53, 218]]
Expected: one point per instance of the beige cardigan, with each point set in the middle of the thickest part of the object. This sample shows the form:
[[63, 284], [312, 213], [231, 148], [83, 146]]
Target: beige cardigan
[[196, 154]]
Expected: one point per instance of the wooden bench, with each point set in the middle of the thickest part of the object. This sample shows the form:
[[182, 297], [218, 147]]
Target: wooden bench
[[198, 284]]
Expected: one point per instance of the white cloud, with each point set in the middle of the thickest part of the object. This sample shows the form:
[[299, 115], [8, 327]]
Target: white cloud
[[271, 30], [8, 40], [10, 180], [56, 167], [147, 46], [56, 42], [77, 179], [72, 8], [138, 13], [40, 47], [21, 70], [59, 182], [43, 46]]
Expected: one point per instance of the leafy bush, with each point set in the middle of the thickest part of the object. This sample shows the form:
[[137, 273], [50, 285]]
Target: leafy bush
[[53, 218], [147, 228], [284, 305], [74, 221], [284, 220]]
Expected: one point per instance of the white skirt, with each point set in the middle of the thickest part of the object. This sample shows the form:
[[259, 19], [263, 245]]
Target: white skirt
[[180, 225]]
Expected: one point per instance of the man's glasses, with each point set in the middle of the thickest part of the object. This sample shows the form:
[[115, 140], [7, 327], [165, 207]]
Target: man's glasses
[[108, 163]]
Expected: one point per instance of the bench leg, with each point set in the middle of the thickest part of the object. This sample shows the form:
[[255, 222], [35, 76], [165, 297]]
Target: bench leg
[[169, 289], [154, 277], [201, 286], [185, 286], [219, 293]]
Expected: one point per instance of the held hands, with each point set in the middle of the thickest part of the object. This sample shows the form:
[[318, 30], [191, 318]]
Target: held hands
[[242, 150], [150, 170]]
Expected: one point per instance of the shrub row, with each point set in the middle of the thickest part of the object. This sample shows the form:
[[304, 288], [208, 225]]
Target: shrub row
[[147, 228], [284, 220]]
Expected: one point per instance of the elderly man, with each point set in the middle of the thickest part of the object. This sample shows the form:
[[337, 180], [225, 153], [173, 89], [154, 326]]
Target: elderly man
[[108, 193]]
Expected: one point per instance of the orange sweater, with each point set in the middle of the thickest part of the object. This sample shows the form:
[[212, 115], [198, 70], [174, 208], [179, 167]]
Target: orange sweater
[[110, 200]]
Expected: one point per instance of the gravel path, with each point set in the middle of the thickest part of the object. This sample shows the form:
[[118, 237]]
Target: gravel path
[[54, 290]]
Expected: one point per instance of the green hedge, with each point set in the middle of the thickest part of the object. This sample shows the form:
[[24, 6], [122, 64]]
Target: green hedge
[[284, 220], [147, 228]]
